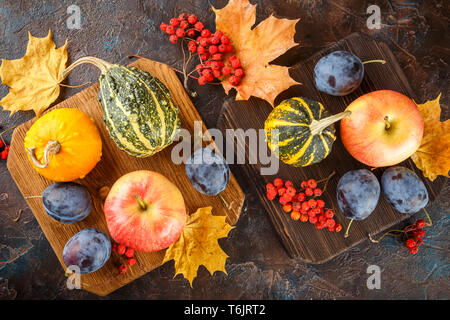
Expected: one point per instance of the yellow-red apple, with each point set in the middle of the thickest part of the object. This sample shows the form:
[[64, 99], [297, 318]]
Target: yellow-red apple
[[385, 127], [145, 211]]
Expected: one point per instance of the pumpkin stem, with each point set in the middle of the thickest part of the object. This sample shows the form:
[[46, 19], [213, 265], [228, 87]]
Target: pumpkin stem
[[317, 126], [99, 63], [53, 147]]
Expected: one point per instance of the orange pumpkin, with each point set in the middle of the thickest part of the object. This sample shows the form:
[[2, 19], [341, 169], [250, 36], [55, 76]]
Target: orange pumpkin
[[64, 144]]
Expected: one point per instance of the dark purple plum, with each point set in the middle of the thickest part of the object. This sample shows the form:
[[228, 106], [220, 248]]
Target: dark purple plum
[[89, 250], [403, 189], [208, 171], [357, 194], [67, 201], [338, 73]]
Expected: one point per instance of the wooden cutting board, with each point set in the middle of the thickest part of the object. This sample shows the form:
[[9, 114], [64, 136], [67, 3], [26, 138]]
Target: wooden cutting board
[[303, 240], [114, 164]]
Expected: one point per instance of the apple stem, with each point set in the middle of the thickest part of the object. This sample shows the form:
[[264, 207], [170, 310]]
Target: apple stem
[[141, 202], [317, 126], [430, 223], [372, 61], [348, 228]]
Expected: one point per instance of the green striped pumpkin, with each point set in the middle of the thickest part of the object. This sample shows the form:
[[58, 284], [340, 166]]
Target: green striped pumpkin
[[305, 131], [138, 110]]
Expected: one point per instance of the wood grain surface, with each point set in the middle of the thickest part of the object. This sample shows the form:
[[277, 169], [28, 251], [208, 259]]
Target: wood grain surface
[[303, 240], [114, 164]]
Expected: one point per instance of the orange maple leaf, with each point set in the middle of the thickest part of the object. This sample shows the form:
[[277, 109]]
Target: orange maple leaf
[[256, 48], [433, 155]]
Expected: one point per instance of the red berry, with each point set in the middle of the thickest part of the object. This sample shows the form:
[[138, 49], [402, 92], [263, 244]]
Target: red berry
[[413, 250], [217, 56], [192, 19], [288, 183], [129, 253], [233, 80], [270, 186], [305, 205], [204, 56], [235, 63], [174, 22], [182, 16], [312, 203], [320, 203], [281, 191], [410, 242], [192, 48], [202, 41], [217, 73], [200, 49], [295, 215], [222, 48], [239, 72], [419, 242], [131, 261], [199, 26], [317, 192], [304, 185], [301, 197], [338, 227], [304, 218], [229, 48], [421, 233], [278, 182], [114, 247], [271, 196], [225, 40], [218, 34], [283, 201], [312, 219], [312, 183], [331, 223], [297, 206], [287, 207], [184, 24], [173, 38], [191, 33], [121, 249], [170, 30], [202, 80], [291, 191], [322, 218], [420, 223], [232, 58], [311, 212], [4, 154], [329, 214], [226, 70], [180, 33], [206, 33], [309, 192], [215, 40], [163, 26], [123, 268]]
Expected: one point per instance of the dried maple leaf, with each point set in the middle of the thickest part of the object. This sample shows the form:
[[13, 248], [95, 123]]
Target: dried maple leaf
[[256, 48], [433, 155], [34, 79], [198, 244]]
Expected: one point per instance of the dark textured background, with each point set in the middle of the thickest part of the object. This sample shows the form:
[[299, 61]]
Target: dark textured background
[[258, 267]]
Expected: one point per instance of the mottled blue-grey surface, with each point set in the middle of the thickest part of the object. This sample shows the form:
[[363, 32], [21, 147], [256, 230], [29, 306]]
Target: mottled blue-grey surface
[[258, 267]]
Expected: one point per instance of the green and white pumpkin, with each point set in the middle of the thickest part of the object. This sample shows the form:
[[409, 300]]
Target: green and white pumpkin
[[305, 131], [138, 110]]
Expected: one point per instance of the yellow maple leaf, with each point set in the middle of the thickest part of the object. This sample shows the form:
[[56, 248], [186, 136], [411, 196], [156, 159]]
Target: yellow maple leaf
[[34, 79], [256, 48], [433, 155], [198, 245]]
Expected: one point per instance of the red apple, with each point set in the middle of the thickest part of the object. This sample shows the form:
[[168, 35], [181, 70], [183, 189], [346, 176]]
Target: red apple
[[145, 211], [384, 128]]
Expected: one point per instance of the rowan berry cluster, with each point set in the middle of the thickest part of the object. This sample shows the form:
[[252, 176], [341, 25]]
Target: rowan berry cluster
[[210, 47], [304, 205], [128, 253], [414, 234], [4, 150]]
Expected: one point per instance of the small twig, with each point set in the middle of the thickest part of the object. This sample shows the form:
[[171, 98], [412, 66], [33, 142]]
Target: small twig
[[18, 216], [77, 86]]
